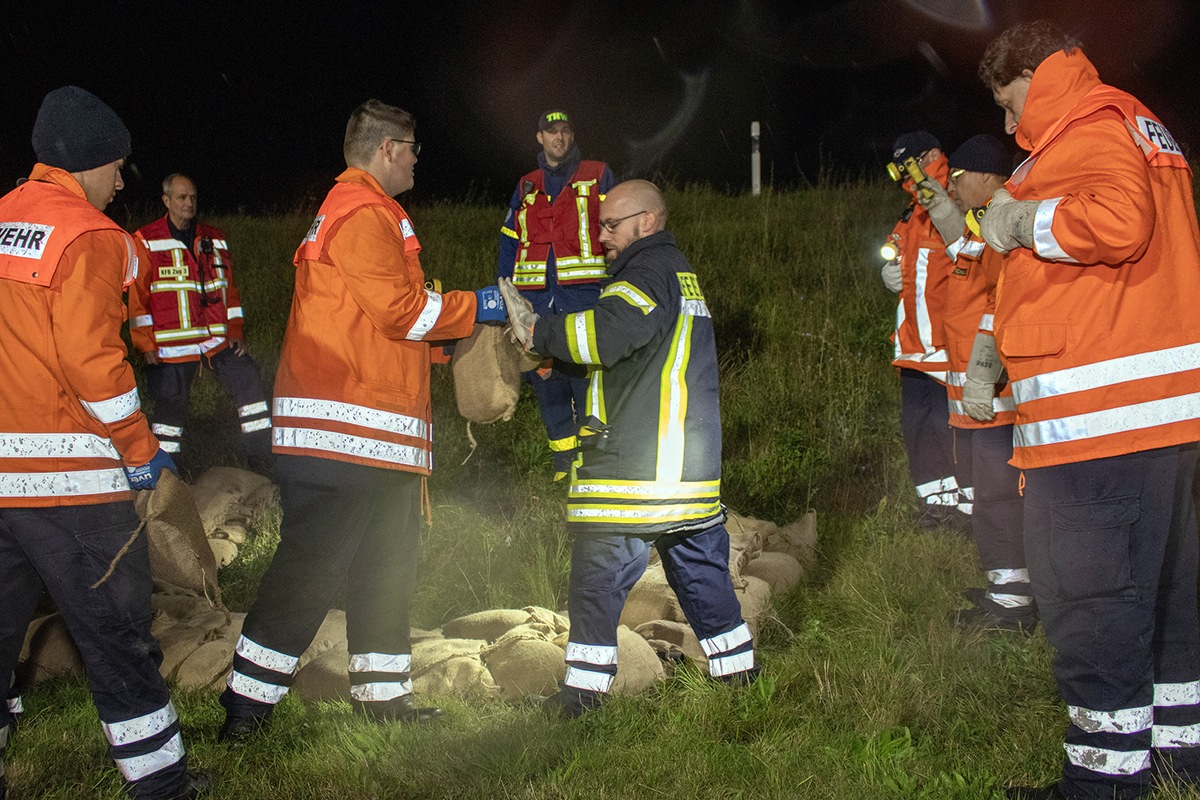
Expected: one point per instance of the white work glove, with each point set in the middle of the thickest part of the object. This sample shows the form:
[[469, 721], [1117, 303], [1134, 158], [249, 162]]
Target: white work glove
[[945, 215], [983, 370], [520, 313], [891, 275], [1008, 223]]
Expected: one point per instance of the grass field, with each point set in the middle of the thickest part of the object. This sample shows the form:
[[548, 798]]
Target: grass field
[[868, 694]]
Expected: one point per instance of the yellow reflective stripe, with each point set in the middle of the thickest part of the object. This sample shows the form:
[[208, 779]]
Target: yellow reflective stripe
[[647, 490], [581, 209], [507, 231], [632, 514], [179, 333], [174, 286], [630, 294], [565, 444], [672, 403], [581, 337]]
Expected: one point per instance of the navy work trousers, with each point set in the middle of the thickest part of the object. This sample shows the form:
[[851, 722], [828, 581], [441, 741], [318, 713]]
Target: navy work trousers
[[1111, 546], [997, 521], [925, 426], [603, 570], [170, 386], [68, 550], [343, 524]]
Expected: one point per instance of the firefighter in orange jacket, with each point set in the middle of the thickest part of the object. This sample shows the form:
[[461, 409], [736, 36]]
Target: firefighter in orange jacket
[[918, 275], [185, 312], [550, 249], [982, 411], [352, 434], [73, 439], [1096, 325]]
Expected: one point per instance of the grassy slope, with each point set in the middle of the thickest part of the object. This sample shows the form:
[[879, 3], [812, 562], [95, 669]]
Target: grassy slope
[[868, 694]]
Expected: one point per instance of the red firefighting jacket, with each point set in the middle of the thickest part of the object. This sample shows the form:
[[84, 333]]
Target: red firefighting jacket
[[184, 302]]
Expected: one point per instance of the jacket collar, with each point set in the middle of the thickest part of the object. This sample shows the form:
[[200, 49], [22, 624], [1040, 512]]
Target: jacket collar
[[59, 177], [361, 177], [646, 242], [568, 165], [1060, 82]]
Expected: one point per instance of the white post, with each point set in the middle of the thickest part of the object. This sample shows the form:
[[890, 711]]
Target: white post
[[755, 161]]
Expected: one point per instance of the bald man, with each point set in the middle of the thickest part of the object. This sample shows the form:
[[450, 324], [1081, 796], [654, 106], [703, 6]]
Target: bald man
[[649, 472]]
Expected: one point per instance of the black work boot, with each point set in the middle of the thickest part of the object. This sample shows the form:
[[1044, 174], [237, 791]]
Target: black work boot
[[239, 729], [195, 782], [400, 709]]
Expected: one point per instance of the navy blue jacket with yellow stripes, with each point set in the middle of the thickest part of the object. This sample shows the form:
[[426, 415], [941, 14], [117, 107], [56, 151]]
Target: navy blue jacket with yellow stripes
[[651, 440]]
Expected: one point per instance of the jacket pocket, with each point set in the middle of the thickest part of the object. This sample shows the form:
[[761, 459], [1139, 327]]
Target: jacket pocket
[[1031, 340], [1089, 548]]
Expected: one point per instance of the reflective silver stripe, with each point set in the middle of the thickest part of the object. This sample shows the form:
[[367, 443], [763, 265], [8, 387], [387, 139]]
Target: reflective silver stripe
[[143, 321], [428, 317], [15, 706], [1177, 694], [579, 323], [114, 409], [265, 657], [1123, 720], [924, 323], [630, 294], [158, 245], [344, 443], [588, 680], [179, 333], [139, 728], [1109, 421], [219, 244], [256, 425], [253, 408], [596, 654], [1003, 576], [380, 662], [967, 491], [1138, 366], [1010, 600], [138, 767], [1044, 243], [56, 445], [362, 416], [255, 689], [948, 484], [378, 692], [617, 514], [234, 312], [1108, 762], [726, 641], [1176, 735], [161, 429], [184, 350], [955, 247], [663, 490], [987, 322], [728, 665], [55, 484], [966, 508], [170, 447], [943, 499]]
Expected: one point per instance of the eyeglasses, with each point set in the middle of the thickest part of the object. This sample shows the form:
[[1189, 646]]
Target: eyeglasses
[[610, 225], [416, 146]]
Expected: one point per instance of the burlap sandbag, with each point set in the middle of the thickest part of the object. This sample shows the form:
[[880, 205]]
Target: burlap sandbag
[[524, 663], [208, 666], [451, 666], [487, 368], [638, 666], [226, 497], [487, 625], [755, 599], [552, 621], [179, 551], [330, 636], [326, 677], [49, 650], [799, 540], [746, 538], [779, 570], [651, 598], [678, 634]]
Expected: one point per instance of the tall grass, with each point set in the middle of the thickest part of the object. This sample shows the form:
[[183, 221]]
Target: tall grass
[[868, 693]]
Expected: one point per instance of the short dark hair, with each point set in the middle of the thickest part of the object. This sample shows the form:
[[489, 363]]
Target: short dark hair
[[369, 125], [1022, 47]]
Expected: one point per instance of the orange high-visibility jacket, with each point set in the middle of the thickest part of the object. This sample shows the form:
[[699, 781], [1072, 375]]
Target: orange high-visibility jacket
[[70, 416], [1097, 323], [970, 305], [353, 379], [184, 302], [924, 269]]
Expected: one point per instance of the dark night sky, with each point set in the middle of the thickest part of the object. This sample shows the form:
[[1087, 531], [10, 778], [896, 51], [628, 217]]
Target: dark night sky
[[252, 98]]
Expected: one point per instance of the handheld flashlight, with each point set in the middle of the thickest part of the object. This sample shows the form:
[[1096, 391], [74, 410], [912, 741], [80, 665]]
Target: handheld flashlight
[[910, 168]]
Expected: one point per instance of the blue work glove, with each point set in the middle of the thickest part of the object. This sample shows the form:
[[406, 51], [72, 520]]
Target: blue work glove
[[146, 476], [489, 305]]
